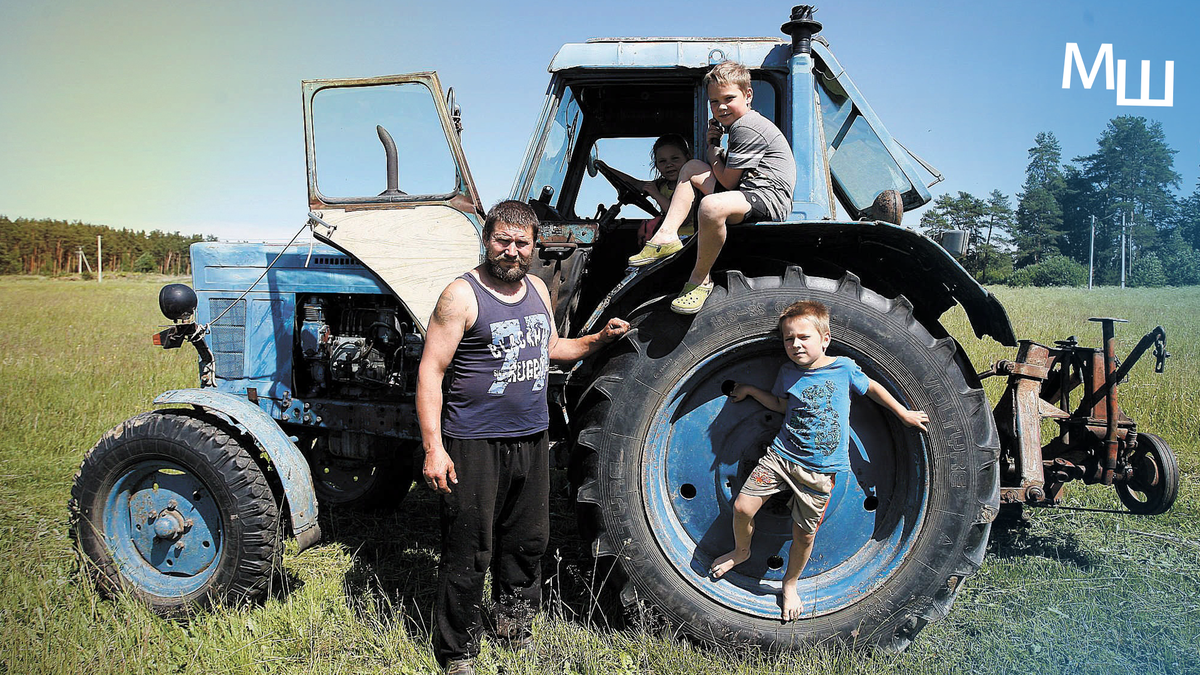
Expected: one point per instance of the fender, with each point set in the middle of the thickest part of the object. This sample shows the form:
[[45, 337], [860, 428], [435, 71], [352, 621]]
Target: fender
[[889, 259], [289, 463]]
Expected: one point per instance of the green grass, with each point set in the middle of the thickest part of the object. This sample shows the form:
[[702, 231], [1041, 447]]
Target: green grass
[[1075, 591]]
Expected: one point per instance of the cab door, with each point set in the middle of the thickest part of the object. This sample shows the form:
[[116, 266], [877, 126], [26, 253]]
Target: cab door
[[388, 180]]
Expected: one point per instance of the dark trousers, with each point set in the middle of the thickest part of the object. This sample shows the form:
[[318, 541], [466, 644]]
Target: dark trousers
[[502, 498]]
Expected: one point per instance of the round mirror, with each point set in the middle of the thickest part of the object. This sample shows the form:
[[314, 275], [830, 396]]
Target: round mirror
[[591, 161]]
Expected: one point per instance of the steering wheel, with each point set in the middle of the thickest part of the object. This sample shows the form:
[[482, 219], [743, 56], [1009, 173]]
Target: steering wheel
[[627, 191]]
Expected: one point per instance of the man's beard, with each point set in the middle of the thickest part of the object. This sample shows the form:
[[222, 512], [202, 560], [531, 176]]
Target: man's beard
[[508, 274]]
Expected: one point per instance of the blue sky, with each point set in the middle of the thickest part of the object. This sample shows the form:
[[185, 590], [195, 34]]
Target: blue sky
[[187, 116]]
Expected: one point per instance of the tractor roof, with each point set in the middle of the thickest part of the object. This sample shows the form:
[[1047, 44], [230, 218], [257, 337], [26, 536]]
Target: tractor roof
[[672, 52]]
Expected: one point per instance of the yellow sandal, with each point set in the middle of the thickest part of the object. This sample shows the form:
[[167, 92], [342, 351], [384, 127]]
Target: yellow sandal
[[691, 298], [653, 252]]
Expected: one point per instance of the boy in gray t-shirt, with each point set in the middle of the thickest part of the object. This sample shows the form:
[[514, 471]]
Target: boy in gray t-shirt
[[753, 182]]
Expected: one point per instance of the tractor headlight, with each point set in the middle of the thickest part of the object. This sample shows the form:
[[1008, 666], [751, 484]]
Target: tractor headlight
[[177, 301]]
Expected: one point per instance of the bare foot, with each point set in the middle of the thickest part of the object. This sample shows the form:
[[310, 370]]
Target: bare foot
[[791, 604], [727, 562]]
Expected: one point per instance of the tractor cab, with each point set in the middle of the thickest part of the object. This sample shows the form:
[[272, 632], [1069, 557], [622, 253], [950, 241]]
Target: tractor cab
[[384, 160]]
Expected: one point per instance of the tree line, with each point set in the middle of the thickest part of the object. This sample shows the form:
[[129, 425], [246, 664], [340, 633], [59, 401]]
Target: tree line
[[51, 247], [1116, 209]]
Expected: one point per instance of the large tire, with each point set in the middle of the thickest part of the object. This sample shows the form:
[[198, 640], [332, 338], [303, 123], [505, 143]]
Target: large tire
[[662, 452], [167, 478]]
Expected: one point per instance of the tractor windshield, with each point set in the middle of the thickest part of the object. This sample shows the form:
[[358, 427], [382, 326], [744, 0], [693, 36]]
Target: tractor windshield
[[561, 137], [859, 161]]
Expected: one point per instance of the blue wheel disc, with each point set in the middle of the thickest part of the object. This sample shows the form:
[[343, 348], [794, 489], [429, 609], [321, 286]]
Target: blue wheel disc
[[707, 444], [163, 528]]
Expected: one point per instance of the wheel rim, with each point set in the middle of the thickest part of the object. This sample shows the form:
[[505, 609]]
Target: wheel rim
[[711, 443], [163, 528], [337, 484], [1153, 487]]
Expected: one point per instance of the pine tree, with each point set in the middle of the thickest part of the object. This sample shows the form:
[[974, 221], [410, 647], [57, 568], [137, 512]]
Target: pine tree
[[1000, 219], [1131, 172], [1039, 213], [961, 212]]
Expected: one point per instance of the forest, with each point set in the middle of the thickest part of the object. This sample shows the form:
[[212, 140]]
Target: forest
[[1114, 211], [52, 248]]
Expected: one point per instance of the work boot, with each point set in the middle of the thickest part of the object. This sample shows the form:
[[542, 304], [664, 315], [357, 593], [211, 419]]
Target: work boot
[[888, 207], [514, 632], [461, 667]]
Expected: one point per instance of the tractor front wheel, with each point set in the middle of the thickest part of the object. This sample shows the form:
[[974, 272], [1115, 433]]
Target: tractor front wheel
[[171, 508]]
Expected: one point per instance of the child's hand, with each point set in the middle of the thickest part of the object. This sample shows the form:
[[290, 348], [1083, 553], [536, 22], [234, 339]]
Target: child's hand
[[714, 132], [915, 418], [739, 392]]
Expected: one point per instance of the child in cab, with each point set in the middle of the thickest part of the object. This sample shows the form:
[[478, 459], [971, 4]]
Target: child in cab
[[751, 182]]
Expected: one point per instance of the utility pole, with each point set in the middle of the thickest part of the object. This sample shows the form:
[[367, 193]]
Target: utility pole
[[1092, 254], [1122, 249], [1131, 242], [99, 262]]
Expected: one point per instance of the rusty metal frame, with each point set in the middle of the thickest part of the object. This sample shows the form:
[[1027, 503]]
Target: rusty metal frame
[[1095, 442]]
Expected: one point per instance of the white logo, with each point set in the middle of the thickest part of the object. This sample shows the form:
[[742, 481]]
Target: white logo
[[1105, 56], [507, 342]]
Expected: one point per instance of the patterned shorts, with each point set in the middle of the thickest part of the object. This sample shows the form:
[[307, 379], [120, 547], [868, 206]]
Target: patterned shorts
[[810, 490]]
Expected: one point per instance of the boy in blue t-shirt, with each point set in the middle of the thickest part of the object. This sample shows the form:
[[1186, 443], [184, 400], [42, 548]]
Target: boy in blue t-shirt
[[813, 393]]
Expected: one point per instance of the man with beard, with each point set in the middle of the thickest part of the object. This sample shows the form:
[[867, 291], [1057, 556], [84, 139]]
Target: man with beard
[[486, 449]]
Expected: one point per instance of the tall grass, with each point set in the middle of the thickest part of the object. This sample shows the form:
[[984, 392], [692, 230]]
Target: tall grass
[[1074, 591]]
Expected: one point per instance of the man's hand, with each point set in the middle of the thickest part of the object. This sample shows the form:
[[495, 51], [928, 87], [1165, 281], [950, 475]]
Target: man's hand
[[613, 330], [439, 470]]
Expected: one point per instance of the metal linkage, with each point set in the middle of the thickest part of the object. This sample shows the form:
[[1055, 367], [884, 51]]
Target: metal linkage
[[1097, 441]]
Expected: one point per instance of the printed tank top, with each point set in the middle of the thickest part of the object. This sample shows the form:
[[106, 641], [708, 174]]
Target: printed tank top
[[498, 387]]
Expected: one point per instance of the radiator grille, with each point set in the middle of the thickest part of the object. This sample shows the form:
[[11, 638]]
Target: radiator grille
[[229, 338]]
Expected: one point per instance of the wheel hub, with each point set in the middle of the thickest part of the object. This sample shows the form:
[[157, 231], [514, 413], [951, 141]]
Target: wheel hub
[[169, 525], [164, 527]]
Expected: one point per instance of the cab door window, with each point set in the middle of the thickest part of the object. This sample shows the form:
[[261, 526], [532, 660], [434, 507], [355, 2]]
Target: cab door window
[[349, 150]]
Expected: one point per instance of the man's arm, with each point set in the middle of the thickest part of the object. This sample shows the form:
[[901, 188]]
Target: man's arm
[[455, 311], [567, 350], [911, 418]]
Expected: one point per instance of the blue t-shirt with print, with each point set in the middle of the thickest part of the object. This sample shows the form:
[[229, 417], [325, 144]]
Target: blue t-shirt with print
[[816, 426]]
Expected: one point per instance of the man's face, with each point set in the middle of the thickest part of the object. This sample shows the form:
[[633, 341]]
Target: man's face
[[728, 102], [509, 251]]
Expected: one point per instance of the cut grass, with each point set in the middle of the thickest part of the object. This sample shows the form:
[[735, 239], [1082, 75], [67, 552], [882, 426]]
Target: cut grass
[[1073, 591]]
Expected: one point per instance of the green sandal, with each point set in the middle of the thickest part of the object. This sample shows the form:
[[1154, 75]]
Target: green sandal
[[691, 298], [653, 252]]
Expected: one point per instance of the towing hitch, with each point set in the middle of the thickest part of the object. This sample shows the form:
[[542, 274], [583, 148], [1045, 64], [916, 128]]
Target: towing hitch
[[1097, 442]]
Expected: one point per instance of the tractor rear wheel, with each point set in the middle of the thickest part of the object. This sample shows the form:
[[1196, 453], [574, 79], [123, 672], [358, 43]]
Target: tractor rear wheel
[[171, 508], [662, 453]]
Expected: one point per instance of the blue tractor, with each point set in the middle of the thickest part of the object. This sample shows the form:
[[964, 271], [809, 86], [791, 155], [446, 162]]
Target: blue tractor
[[308, 359]]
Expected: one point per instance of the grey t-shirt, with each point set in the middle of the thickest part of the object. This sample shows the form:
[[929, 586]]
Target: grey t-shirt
[[768, 168]]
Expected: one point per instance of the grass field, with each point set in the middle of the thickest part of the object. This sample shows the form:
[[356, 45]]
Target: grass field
[[1075, 591]]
